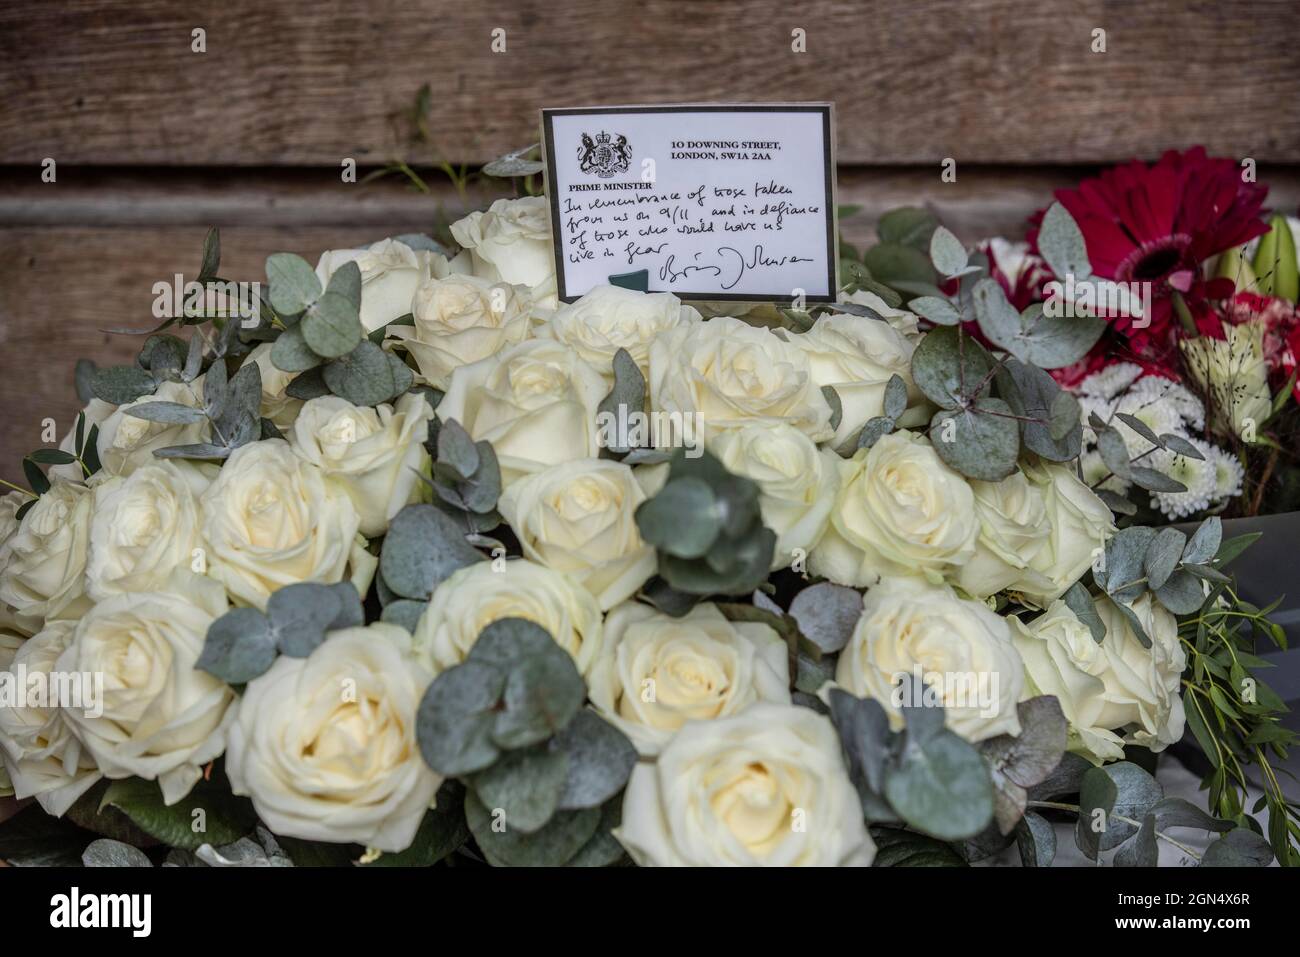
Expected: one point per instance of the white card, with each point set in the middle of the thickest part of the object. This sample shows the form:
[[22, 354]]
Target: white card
[[714, 202]]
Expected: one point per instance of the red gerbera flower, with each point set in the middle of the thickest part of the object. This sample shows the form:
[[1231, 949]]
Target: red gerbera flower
[[1158, 223]]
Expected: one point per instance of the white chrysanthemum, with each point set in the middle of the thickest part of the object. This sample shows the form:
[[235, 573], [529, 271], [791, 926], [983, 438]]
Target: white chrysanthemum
[[1176, 396], [1111, 381], [1228, 473], [1153, 410], [1197, 474]]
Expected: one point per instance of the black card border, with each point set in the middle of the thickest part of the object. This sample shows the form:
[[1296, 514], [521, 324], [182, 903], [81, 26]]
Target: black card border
[[827, 110]]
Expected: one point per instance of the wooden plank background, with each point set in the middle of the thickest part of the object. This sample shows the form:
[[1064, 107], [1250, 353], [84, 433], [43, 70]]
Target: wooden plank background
[[154, 142]]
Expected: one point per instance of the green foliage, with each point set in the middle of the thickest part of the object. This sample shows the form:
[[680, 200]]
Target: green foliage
[[509, 720], [243, 643], [706, 527], [423, 546]]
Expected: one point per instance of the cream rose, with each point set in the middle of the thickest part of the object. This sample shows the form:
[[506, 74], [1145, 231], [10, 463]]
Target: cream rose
[[1080, 523], [374, 455], [145, 526], [1142, 684], [797, 482], [126, 442], [277, 405], [900, 511], [765, 787], [902, 320], [729, 374], [325, 745], [1062, 659], [535, 402], [38, 749], [162, 718], [657, 672], [390, 273], [43, 562], [511, 242], [578, 518], [1013, 530], [958, 647], [609, 318], [459, 320], [271, 519], [857, 357], [475, 596]]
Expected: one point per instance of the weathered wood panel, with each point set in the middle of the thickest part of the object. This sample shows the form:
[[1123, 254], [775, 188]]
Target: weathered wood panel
[[82, 255], [984, 81]]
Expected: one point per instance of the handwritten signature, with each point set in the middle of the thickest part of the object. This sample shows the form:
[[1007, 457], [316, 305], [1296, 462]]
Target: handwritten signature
[[731, 265]]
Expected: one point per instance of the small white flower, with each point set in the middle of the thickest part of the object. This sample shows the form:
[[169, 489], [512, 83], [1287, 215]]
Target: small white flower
[[1183, 401], [1197, 474], [1111, 381], [1228, 473]]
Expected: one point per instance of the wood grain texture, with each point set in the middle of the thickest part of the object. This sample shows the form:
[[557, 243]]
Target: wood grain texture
[[984, 81]]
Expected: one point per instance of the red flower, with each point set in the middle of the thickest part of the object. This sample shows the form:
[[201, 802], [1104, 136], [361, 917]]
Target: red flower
[[1158, 223]]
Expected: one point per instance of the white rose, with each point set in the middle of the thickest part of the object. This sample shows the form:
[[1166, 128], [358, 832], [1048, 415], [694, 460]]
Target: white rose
[[144, 526], [1080, 525], [374, 455], [728, 374], [162, 717], [271, 519], [473, 597], [126, 442], [459, 320], [900, 511], [1062, 659], [1142, 684], [657, 672], [511, 242], [797, 482], [43, 757], [902, 320], [390, 273], [1013, 530], [43, 562], [535, 402], [957, 646], [857, 357], [96, 412], [277, 405], [765, 787], [577, 518], [325, 745], [609, 318]]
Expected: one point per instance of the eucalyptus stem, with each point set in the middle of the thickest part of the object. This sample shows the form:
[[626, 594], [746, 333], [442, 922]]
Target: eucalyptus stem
[[1074, 808]]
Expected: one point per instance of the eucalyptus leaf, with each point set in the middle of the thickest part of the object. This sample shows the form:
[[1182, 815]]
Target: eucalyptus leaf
[[524, 785], [1061, 244], [937, 309], [290, 353], [981, 442], [240, 646], [423, 546], [1162, 556], [1036, 840], [600, 759], [294, 284], [946, 252], [331, 327], [826, 614]]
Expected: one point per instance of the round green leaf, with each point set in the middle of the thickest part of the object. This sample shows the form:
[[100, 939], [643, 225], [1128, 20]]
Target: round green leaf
[[942, 787]]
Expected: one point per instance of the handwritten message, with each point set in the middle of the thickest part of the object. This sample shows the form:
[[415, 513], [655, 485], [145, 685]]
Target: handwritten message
[[721, 203]]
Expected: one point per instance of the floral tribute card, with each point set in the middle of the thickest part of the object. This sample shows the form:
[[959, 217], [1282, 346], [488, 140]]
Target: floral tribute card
[[706, 202]]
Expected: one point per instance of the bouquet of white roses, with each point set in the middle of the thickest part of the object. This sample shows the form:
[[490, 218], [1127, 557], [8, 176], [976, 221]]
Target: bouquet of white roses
[[408, 559]]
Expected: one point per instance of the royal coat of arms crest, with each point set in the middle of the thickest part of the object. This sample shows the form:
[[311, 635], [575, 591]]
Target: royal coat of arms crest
[[604, 155]]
